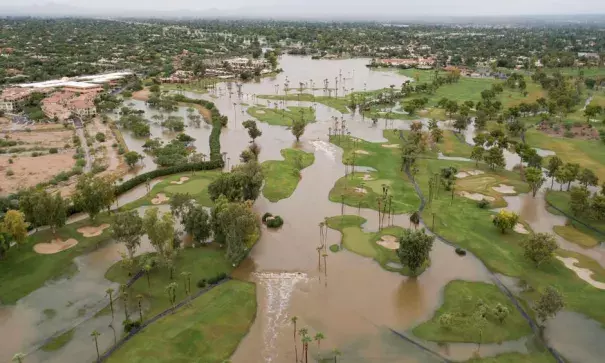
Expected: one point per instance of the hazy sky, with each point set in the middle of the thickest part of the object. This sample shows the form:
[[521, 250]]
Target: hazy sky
[[345, 7]]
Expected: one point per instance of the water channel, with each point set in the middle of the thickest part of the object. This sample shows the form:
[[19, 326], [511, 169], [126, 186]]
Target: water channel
[[355, 304]]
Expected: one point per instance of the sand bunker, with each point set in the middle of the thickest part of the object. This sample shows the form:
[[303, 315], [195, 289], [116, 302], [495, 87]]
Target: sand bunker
[[367, 177], [260, 112], [91, 231], [363, 152], [56, 245], [388, 242], [583, 273], [519, 228], [464, 174], [505, 189], [391, 146], [476, 196], [160, 198], [361, 190], [181, 180]]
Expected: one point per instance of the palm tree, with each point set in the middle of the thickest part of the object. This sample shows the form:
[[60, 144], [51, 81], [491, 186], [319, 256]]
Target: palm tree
[[186, 275], [318, 337], [109, 292], [95, 334], [325, 255], [306, 340], [147, 268], [18, 357], [319, 248], [125, 299], [294, 319], [139, 299], [171, 290], [336, 353]]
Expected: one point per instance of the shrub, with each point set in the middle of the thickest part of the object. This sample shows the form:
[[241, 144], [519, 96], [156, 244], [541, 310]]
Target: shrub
[[10, 161], [121, 150], [460, 251], [567, 126], [201, 283], [131, 325], [568, 134], [275, 222], [265, 216], [100, 137], [483, 204], [80, 162], [334, 248], [53, 150], [9, 172]]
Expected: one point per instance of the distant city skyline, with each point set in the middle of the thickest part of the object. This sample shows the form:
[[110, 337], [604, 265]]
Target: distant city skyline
[[342, 9]]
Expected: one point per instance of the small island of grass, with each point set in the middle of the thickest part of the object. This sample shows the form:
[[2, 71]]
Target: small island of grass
[[282, 117], [282, 176]]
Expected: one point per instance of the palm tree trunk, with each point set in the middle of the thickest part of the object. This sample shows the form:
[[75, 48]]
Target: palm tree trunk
[[140, 313], [97, 346]]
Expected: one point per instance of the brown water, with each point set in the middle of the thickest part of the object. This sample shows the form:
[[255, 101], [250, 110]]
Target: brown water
[[354, 304]]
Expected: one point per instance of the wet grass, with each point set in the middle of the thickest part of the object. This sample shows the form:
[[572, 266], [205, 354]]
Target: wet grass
[[571, 234], [339, 104], [543, 357], [461, 300], [196, 186], [282, 117], [386, 161], [202, 262], [208, 331], [363, 243], [561, 200], [588, 153], [58, 342], [282, 176], [23, 270], [463, 223], [453, 145]]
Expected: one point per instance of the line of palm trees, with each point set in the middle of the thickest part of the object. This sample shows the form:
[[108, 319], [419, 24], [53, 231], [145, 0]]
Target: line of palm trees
[[305, 339]]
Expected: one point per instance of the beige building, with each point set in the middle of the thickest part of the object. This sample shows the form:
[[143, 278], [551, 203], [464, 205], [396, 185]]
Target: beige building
[[11, 96]]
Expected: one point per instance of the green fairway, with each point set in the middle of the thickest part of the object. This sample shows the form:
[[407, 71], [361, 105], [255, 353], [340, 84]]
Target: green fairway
[[202, 262], [282, 176], [58, 342], [461, 301], [208, 331], [544, 357], [577, 232], [365, 244], [454, 145], [357, 192], [196, 185], [588, 153], [23, 270], [282, 117], [339, 104]]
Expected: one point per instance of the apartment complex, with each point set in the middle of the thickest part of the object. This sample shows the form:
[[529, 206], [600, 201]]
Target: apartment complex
[[62, 105], [11, 96]]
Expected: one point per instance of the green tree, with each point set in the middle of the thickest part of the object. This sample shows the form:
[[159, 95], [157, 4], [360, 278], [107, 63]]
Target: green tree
[[132, 158], [236, 226], [15, 225], [554, 164], [414, 248], [93, 194], [252, 128], [109, 293], [534, 178], [127, 228], [477, 154], [243, 183], [18, 357], [41, 208], [298, 128], [494, 158], [505, 220], [180, 204], [578, 201], [160, 231], [539, 247], [318, 338], [588, 177], [549, 303], [500, 312], [197, 223]]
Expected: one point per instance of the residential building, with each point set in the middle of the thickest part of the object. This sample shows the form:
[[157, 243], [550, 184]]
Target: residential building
[[11, 96]]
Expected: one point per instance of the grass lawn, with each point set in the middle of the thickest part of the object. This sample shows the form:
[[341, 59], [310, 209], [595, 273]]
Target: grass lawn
[[202, 262], [544, 357], [461, 300], [571, 234], [340, 104], [208, 331], [588, 153], [452, 145], [462, 222], [196, 186], [282, 176], [58, 342], [192, 87], [386, 161], [282, 117], [356, 240], [581, 235], [512, 97], [23, 270], [573, 71], [484, 184]]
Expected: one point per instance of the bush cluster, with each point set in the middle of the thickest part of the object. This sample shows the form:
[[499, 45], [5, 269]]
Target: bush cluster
[[276, 222], [211, 281], [130, 325]]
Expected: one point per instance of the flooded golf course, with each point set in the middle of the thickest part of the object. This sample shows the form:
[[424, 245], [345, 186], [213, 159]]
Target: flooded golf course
[[358, 305]]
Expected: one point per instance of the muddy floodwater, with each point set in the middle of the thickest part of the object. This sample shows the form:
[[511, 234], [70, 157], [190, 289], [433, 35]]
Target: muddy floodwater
[[356, 304]]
